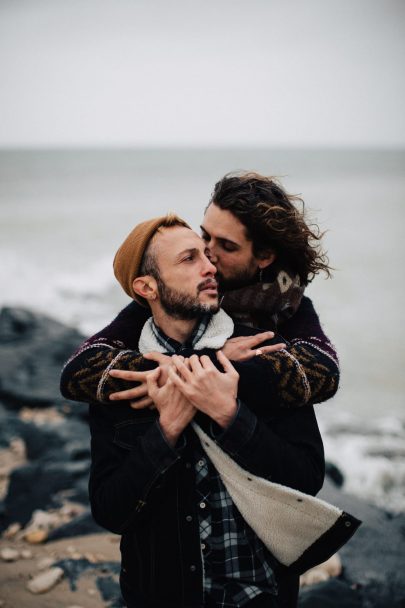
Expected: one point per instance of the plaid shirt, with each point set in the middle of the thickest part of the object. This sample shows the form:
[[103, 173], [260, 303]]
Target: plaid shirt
[[236, 564]]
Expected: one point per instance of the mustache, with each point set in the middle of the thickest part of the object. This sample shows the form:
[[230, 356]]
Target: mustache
[[208, 283]]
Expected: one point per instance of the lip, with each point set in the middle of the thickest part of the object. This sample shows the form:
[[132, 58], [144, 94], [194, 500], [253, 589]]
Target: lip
[[210, 288]]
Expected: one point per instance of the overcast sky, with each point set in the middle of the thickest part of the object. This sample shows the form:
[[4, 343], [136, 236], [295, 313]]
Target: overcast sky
[[207, 73]]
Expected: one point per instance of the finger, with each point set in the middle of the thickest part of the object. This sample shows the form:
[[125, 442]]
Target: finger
[[155, 356], [195, 363], [176, 380], [124, 374], [182, 368], [152, 381], [131, 393], [226, 364], [141, 403], [206, 362], [259, 338], [273, 348]]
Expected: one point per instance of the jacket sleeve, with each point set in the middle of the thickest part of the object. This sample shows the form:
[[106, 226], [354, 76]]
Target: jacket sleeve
[[307, 372], [131, 465], [85, 376], [286, 448]]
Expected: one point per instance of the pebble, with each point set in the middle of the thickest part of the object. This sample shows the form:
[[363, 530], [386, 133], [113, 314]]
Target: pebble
[[45, 581], [26, 554], [9, 555], [36, 536], [12, 531]]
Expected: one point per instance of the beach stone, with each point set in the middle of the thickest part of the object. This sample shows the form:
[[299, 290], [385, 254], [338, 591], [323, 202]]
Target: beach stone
[[330, 594], [9, 555], [331, 568], [45, 581], [35, 537], [33, 348], [12, 531], [374, 559], [79, 526], [26, 554]]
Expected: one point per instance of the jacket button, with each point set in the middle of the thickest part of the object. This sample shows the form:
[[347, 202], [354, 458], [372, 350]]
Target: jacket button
[[193, 568], [202, 505], [348, 524], [189, 518], [201, 463]]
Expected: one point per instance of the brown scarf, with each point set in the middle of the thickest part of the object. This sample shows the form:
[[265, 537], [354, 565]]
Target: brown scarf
[[274, 298]]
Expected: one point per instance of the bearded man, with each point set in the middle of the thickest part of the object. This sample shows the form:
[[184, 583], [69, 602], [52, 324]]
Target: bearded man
[[186, 484]]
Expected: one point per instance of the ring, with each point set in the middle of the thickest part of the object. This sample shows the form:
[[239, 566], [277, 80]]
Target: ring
[[258, 352]]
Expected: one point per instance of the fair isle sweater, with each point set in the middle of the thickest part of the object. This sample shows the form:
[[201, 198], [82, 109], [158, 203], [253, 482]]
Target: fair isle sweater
[[306, 372]]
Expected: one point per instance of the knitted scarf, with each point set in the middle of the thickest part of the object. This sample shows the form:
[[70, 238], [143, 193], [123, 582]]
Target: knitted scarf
[[273, 299]]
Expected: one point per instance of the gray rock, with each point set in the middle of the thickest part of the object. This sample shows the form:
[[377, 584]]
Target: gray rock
[[79, 526], [374, 559], [33, 349]]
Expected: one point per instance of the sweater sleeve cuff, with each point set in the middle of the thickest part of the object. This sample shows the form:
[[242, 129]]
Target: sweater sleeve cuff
[[239, 431]]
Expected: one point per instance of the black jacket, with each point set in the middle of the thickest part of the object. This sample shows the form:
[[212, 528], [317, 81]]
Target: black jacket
[[143, 489]]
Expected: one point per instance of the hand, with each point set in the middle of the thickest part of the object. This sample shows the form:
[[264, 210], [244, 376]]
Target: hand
[[175, 410], [245, 347], [209, 390], [138, 396]]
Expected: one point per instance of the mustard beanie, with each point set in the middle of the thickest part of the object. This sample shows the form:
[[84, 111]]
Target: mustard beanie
[[128, 259]]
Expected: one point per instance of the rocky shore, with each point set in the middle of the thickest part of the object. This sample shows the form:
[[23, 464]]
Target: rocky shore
[[52, 553]]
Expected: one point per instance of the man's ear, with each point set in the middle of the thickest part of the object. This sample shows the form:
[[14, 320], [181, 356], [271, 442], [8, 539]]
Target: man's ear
[[266, 259], [146, 287]]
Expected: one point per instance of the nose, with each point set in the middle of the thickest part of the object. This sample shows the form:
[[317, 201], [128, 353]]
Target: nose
[[209, 267]]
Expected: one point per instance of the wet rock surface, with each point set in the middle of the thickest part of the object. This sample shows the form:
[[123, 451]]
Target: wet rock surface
[[45, 502]]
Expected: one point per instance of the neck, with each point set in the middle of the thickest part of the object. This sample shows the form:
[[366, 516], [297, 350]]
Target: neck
[[177, 329]]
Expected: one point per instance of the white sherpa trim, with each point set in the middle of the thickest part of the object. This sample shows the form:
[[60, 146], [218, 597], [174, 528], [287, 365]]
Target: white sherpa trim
[[219, 329], [287, 521]]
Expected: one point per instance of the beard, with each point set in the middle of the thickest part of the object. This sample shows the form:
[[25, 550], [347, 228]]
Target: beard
[[183, 306], [240, 278]]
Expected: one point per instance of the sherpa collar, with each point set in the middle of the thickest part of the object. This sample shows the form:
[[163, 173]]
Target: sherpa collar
[[219, 328]]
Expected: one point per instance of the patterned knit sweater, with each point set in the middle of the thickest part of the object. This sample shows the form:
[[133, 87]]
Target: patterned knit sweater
[[306, 372]]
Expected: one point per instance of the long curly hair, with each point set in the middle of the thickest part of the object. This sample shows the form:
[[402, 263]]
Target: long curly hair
[[273, 221]]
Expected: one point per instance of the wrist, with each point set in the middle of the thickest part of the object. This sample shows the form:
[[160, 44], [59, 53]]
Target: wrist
[[224, 416]]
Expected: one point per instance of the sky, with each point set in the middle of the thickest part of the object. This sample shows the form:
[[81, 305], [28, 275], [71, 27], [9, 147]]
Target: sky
[[217, 73]]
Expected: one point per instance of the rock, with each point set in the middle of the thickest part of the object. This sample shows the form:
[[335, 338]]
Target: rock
[[79, 526], [26, 554], [374, 559], [12, 530], [334, 474], [330, 594], [33, 348], [34, 486], [45, 581], [331, 568], [110, 590], [9, 555], [35, 537]]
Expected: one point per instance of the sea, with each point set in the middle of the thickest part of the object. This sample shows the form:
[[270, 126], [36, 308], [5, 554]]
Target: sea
[[63, 214]]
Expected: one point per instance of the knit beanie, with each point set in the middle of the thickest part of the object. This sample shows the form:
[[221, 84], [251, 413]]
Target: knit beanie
[[128, 259]]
